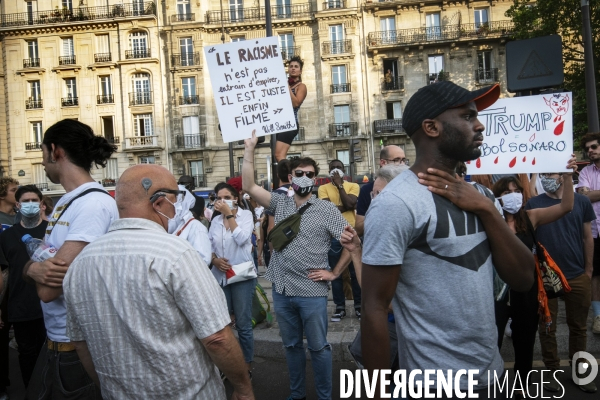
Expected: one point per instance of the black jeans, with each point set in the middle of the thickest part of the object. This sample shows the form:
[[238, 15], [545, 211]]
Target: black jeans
[[30, 337], [60, 376], [4, 380]]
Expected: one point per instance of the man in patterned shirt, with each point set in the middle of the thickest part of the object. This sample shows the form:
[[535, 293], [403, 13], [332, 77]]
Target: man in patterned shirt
[[299, 271]]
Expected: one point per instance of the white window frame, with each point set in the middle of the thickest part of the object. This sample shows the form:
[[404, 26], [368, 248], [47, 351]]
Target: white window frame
[[236, 10], [105, 85], [188, 86], [148, 125], [103, 43], [184, 7], [338, 74], [138, 42], [68, 48], [33, 51], [37, 133], [70, 88], [111, 171], [481, 16], [433, 25], [35, 90], [147, 160], [388, 28]]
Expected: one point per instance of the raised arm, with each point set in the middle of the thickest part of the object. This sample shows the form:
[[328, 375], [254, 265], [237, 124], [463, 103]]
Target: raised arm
[[262, 196]]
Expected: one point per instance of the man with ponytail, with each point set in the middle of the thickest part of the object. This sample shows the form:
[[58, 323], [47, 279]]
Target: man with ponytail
[[70, 149]]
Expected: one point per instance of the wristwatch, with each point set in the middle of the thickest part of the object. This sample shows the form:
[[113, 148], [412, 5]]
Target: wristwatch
[[341, 186], [229, 216]]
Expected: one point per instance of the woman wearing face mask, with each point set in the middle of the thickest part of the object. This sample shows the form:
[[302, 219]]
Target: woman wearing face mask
[[230, 236], [523, 308], [191, 229]]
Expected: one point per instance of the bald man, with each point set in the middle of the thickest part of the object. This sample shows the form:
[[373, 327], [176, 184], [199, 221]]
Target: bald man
[[149, 319], [389, 155]]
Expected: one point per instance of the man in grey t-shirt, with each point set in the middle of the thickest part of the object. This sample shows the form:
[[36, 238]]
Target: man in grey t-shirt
[[437, 253]]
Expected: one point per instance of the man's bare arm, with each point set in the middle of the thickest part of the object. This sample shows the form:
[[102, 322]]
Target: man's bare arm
[[86, 360], [262, 196], [593, 195]]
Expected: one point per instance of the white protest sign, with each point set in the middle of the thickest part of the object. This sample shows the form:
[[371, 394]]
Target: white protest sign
[[526, 135], [250, 88]]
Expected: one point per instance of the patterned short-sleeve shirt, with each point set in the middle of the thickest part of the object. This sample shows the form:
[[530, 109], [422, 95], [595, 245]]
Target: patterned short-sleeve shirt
[[289, 268]]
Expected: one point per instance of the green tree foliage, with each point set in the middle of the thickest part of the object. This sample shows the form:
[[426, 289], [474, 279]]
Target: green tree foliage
[[563, 17]]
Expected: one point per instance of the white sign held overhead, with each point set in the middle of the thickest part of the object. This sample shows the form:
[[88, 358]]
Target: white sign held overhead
[[526, 135], [250, 88]]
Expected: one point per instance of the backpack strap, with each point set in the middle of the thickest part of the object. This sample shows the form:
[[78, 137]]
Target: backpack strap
[[75, 198]]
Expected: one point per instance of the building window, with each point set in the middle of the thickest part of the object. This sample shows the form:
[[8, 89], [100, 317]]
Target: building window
[[344, 157], [293, 156], [436, 68], [148, 160], [240, 164], [183, 7], [39, 176], [393, 109], [138, 43], [108, 129], [284, 9], [236, 10], [338, 78], [32, 50], [433, 27], [143, 125], [105, 89], [188, 88], [70, 88], [286, 44], [36, 132], [238, 38], [341, 114], [67, 47], [67, 4], [35, 90], [186, 45], [141, 89], [485, 73], [102, 49], [197, 172], [111, 171], [481, 17], [336, 35], [388, 28], [191, 131]]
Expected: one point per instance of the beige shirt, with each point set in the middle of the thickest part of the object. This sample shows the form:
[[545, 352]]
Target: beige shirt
[[142, 300]]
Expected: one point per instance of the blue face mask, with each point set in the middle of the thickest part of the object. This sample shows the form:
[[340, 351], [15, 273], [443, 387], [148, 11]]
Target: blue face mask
[[30, 209]]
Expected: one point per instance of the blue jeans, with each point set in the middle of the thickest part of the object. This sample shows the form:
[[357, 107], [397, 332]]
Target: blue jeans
[[337, 285], [239, 302], [305, 315]]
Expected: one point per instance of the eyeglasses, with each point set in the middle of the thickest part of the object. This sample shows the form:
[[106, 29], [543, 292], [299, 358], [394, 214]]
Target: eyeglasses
[[593, 147], [397, 161], [299, 173], [180, 194]]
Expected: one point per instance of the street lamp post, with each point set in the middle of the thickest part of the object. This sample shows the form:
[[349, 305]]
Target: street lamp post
[[231, 169], [590, 78], [269, 28]]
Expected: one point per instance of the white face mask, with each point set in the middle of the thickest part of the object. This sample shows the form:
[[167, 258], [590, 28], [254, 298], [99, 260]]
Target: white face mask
[[231, 203], [175, 221], [512, 202]]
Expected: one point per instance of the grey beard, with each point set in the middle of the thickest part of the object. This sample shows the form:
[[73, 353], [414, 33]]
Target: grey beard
[[30, 222]]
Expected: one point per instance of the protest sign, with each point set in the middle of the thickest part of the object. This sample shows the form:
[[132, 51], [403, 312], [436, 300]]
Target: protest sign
[[526, 135], [250, 88]]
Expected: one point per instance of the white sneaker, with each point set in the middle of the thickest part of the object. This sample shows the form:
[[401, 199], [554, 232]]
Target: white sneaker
[[596, 325], [507, 330]]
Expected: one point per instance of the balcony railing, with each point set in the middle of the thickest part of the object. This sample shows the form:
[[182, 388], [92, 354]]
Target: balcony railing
[[331, 4], [392, 83], [69, 101], [190, 141], [440, 33], [105, 99], [486, 75], [29, 104], [183, 17], [300, 135], [239, 14], [288, 52], [66, 60], [185, 59], [57, 16], [343, 129], [42, 186], [31, 63], [140, 98], [337, 47], [140, 53], [434, 78], [33, 146], [340, 88], [113, 139], [199, 180], [109, 182], [388, 126], [102, 57], [185, 100], [141, 141]]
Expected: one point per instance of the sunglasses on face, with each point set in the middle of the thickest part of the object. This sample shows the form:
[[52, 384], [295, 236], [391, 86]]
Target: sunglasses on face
[[180, 194], [299, 173], [593, 147]]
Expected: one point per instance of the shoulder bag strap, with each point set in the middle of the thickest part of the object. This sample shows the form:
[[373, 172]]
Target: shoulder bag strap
[[75, 198], [303, 209], [183, 228]]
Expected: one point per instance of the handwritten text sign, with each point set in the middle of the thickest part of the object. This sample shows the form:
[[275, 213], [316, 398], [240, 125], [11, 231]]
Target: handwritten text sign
[[250, 88], [526, 135]]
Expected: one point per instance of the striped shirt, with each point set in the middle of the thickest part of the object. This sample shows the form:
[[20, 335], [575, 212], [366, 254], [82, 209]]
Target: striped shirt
[[142, 299]]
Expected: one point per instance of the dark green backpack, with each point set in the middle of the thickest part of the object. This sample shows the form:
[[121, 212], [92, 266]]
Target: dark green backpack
[[286, 230]]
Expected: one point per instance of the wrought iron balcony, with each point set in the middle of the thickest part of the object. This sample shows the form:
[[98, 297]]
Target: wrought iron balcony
[[183, 17], [190, 141], [392, 83], [331, 4], [288, 52], [140, 53], [337, 47], [300, 136], [240, 14], [66, 60], [109, 182], [42, 186], [69, 101], [185, 59], [185, 100], [340, 88], [490, 29], [57, 16], [486, 75], [388, 126], [33, 146], [31, 63], [199, 180], [113, 139], [141, 142], [343, 129], [29, 104], [140, 98], [440, 76], [105, 99], [102, 57]]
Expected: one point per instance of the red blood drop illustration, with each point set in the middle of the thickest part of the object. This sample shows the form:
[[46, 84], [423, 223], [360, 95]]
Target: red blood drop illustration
[[468, 162], [496, 160], [512, 162], [533, 162], [478, 163], [524, 159], [559, 128], [532, 138]]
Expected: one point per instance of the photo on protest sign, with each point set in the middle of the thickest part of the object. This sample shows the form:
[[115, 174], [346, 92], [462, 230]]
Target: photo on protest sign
[[250, 88], [526, 135]]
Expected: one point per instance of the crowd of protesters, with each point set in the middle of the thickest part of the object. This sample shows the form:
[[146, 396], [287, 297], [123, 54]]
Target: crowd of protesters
[[145, 289]]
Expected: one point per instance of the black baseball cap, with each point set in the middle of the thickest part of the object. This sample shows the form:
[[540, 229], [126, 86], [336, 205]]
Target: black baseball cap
[[432, 100]]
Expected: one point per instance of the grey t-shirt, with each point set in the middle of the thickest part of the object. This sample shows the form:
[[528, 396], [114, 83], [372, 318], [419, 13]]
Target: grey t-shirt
[[444, 303]]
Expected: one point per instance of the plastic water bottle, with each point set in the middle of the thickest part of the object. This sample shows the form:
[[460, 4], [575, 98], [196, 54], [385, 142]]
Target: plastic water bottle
[[37, 249]]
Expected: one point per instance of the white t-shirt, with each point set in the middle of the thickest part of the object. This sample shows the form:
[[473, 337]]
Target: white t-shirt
[[85, 220]]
